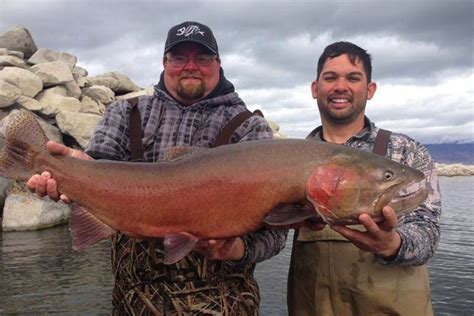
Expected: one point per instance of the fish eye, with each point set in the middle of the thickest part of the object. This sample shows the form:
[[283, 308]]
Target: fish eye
[[388, 175]]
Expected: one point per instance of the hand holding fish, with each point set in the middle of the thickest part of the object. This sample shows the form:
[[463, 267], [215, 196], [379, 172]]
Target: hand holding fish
[[43, 184], [380, 238], [221, 249]]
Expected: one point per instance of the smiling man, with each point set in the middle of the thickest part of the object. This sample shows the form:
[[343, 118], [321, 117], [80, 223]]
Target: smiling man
[[373, 268], [191, 71], [191, 105]]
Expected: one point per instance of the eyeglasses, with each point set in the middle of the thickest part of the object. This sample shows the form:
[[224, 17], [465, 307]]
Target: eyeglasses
[[201, 60]]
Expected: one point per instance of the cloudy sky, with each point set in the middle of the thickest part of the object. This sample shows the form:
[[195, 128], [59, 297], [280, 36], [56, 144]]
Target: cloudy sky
[[423, 51]]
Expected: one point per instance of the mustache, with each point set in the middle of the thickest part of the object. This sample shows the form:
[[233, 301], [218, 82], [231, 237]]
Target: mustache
[[190, 75]]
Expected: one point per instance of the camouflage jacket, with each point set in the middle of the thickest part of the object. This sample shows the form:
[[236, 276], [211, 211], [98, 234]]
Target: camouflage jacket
[[420, 229]]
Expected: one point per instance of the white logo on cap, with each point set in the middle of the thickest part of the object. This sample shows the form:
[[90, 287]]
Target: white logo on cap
[[189, 30]]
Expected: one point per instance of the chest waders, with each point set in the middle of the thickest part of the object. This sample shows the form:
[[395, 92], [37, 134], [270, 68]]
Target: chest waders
[[329, 276]]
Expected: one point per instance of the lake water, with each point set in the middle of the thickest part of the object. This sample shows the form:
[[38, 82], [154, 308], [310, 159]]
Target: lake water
[[40, 273]]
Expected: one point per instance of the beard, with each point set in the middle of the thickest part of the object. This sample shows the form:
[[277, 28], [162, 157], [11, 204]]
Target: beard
[[348, 115], [191, 91]]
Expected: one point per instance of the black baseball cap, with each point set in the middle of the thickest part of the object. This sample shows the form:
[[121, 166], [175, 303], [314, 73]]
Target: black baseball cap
[[191, 32]]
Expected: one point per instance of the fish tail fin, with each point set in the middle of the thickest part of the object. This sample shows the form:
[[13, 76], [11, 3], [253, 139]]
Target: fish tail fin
[[24, 140]]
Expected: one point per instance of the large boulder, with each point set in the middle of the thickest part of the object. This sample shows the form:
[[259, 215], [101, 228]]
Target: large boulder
[[29, 103], [11, 61], [18, 39], [119, 83], [78, 125], [89, 105], [8, 94], [102, 94], [52, 102], [53, 73], [7, 52], [44, 55], [80, 72], [25, 211], [80, 75], [29, 83]]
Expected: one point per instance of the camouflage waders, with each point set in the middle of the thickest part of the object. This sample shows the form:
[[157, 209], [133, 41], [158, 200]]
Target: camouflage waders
[[193, 286]]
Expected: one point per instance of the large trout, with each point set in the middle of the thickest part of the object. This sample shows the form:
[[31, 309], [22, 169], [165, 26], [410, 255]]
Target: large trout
[[212, 193]]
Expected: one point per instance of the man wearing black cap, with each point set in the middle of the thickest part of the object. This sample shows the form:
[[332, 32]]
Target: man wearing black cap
[[192, 104], [186, 81]]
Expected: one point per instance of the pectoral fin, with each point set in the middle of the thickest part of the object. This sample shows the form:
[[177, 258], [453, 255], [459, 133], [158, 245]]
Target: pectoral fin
[[285, 215], [86, 229], [177, 246]]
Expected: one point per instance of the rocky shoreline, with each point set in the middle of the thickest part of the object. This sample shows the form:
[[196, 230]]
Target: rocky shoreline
[[453, 170]]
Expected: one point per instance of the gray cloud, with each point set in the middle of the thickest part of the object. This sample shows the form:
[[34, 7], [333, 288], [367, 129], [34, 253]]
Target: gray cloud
[[269, 49]]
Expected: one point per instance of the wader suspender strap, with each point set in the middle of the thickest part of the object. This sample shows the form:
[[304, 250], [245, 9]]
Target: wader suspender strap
[[136, 134], [381, 142], [223, 137]]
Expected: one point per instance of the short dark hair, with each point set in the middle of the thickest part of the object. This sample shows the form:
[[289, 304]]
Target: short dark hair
[[353, 51]]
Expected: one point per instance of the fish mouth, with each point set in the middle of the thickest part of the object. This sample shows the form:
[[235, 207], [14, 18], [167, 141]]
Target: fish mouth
[[409, 197]]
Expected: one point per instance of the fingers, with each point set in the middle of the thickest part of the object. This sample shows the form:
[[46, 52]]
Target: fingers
[[43, 185], [391, 220], [380, 238], [221, 249], [52, 189], [65, 199], [369, 224], [351, 234], [227, 246], [37, 184], [205, 247], [60, 149]]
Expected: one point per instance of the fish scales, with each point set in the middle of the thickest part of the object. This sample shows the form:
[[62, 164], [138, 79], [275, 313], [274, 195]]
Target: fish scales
[[199, 193]]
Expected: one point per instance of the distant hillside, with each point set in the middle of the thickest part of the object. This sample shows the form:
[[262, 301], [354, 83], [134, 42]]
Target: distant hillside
[[452, 153]]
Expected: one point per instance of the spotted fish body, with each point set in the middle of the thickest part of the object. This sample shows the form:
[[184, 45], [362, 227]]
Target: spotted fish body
[[214, 193]]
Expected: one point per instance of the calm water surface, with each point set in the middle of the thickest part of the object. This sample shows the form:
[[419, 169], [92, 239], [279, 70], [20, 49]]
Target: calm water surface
[[40, 273]]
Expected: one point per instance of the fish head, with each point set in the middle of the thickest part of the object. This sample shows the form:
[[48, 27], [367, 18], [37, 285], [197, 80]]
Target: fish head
[[348, 185]]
